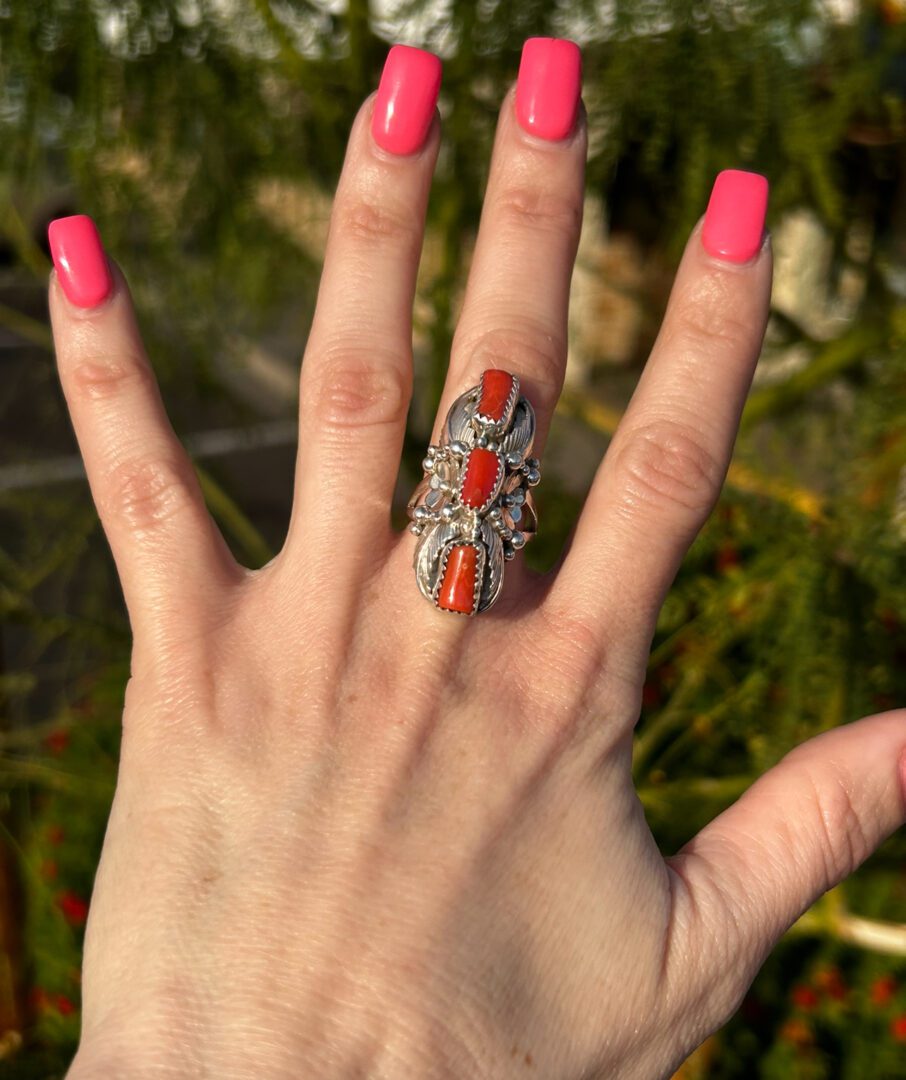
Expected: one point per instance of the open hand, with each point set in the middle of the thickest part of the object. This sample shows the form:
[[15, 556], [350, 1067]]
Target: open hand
[[356, 836]]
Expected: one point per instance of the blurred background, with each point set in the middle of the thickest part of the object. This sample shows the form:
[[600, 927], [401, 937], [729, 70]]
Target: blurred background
[[205, 137]]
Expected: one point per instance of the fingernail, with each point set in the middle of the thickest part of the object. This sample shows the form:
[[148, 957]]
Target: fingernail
[[406, 99], [734, 220], [548, 87], [79, 259]]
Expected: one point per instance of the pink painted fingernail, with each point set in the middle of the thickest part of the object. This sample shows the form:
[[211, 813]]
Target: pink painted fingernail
[[734, 220], [79, 259], [406, 99], [548, 87]]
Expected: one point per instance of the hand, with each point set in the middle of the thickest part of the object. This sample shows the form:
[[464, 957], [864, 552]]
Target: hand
[[357, 836]]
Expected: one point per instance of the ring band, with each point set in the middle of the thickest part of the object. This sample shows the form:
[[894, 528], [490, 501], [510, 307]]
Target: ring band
[[473, 509]]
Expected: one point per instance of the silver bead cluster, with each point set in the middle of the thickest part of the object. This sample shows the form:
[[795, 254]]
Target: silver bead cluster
[[443, 467]]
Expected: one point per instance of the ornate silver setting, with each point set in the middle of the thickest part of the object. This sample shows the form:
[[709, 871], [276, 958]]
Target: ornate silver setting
[[503, 516]]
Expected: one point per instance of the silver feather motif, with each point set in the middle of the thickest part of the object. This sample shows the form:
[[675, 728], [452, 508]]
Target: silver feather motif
[[518, 440], [494, 575], [427, 555], [458, 427]]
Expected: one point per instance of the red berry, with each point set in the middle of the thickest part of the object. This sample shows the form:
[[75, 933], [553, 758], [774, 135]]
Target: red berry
[[805, 997], [651, 696], [73, 907], [49, 870], [39, 998], [831, 981], [64, 1006], [55, 834], [898, 1028], [57, 741], [797, 1032], [727, 558], [883, 989]]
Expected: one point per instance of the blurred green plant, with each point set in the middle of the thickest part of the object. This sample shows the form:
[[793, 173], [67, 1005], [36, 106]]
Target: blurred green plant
[[181, 126]]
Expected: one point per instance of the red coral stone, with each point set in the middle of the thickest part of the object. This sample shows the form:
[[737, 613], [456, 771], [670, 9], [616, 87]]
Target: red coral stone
[[496, 387], [481, 477], [457, 590]]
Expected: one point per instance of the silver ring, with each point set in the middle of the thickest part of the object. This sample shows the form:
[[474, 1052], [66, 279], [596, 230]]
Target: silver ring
[[473, 509]]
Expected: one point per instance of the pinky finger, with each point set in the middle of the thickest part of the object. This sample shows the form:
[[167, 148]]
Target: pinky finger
[[165, 545]]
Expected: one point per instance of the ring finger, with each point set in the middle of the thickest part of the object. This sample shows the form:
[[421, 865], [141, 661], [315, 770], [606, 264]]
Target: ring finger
[[663, 471]]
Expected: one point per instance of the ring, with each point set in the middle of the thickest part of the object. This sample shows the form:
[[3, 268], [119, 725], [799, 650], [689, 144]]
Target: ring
[[473, 509]]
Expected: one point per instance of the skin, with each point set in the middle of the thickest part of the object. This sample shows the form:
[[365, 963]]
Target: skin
[[339, 846]]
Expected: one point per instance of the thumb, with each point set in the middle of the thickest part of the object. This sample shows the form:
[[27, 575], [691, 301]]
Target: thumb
[[799, 830]]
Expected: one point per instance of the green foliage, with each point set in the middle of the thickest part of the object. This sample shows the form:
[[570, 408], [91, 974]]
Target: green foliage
[[167, 120]]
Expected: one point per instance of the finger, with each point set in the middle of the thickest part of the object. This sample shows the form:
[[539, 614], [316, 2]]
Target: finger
[[357, 373], [164, 543], [664, 470], [514, 314], [803, 827]]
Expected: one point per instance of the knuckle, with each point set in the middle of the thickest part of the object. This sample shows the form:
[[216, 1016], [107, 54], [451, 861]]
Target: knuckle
[[356, 386], [567, 652], [582, 685], [99, 378], [529, 351], [531, 208], [842, 839], [667, 464], [572, 641], [710, 314], [146, 493], [374, 222]]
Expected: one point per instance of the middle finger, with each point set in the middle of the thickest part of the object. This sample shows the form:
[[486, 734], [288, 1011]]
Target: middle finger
[[514, 315]]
